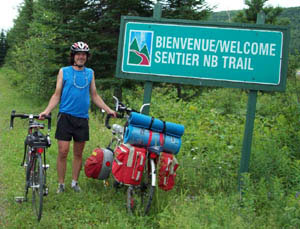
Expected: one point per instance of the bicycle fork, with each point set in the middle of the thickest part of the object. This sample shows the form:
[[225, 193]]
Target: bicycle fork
[[153, 172]]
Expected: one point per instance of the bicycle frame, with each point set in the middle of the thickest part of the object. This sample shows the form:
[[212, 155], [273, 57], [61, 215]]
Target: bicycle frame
[[147, 187]]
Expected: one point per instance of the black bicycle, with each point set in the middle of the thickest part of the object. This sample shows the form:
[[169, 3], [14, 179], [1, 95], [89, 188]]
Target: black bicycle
[[34, 160], [139, 198]]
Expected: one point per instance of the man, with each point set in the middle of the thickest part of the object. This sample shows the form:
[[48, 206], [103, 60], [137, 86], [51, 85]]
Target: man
[[75, 84]]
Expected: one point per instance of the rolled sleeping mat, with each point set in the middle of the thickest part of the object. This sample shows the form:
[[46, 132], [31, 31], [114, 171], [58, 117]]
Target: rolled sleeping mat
[[140, 137], [147, 122]]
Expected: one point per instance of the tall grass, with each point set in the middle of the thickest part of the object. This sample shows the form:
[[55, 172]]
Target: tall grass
[[205, 195]]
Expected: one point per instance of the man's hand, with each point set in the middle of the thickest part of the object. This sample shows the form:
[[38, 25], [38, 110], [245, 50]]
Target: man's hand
[[42, 115], [112, 112]]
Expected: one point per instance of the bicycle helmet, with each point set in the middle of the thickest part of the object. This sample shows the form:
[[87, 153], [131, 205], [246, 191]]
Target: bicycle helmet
[[80, 47]]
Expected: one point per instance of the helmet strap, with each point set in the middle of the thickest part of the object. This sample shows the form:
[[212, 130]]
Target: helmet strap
[[79, 66]]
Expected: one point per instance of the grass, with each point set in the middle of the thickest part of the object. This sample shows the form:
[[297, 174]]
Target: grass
[[205, 195], [96, 206]]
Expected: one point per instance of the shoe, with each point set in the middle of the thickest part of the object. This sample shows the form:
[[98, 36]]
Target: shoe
[[61, 188], [76, 188]]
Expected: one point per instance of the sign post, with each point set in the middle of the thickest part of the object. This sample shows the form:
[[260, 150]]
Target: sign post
[[250, 117]]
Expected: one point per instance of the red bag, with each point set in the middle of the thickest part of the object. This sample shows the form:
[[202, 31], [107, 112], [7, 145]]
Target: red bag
[[167, 171], [129, 164], [98, 165]]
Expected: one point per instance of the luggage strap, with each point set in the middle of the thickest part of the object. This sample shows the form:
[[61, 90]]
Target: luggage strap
[[161, 139], [151, 122], [164, 129], [130, 155]]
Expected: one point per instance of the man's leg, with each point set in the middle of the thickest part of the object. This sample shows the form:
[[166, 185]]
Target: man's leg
[[77, 159], [63, 150]]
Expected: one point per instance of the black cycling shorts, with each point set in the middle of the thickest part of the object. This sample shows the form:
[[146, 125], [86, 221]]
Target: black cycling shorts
[[69, 127]]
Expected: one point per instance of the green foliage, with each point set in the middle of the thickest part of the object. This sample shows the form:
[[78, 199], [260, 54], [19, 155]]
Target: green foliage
[[50, 27], [249, 15], [19, 33], [33, 60], [3, 47], [294, 64], [294, 16], [205, 195], [186, 9]]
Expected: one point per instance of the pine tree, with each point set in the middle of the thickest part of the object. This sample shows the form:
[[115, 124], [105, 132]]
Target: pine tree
[[249, 15], [3, 47], [186, 9], [19, 33]]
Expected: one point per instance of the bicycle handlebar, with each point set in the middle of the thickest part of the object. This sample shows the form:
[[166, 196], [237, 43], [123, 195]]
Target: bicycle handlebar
[[108, 118], [121, 109], [28, 116]]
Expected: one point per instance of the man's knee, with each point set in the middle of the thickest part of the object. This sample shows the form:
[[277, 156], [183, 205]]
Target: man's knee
[[78, 148], [63, 149]]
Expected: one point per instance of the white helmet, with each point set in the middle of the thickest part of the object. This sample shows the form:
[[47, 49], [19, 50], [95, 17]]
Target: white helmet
[[80, 47]]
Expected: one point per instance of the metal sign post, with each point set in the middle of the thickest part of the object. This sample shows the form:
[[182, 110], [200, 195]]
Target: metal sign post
[[249, 126]]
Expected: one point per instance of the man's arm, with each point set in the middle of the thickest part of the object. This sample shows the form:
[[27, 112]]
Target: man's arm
[[56, 96], [98, 100]]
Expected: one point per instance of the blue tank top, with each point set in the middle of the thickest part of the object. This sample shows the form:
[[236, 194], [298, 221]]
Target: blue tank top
[[75, 97]]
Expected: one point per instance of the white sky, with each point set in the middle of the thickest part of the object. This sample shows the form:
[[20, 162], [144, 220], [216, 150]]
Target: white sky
[[9, 8], [223, 5], [8, 12]]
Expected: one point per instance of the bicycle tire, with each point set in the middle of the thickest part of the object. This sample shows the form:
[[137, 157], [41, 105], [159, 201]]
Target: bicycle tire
[[130, 199], [38, 185], [140, 198], [28, 181]]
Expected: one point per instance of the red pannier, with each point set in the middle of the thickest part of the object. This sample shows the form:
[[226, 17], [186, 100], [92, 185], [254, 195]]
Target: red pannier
[[98, 165], [167, 171], [128, 164]]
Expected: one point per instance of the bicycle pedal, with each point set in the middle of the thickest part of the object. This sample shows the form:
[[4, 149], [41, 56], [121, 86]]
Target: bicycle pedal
[[19, 199]]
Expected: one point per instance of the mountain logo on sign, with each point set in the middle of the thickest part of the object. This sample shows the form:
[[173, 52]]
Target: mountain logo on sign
[[140, 48]]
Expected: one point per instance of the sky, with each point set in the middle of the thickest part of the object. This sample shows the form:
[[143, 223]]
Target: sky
[[9, 8], [223, 5]]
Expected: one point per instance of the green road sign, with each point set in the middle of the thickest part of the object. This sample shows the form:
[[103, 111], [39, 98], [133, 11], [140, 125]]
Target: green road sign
[[244, 56]]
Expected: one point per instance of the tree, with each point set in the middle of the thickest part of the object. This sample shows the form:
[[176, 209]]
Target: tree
[[255, 6], [186, 9], [3, 47], [104, 40], [45, 29], [19, 33]]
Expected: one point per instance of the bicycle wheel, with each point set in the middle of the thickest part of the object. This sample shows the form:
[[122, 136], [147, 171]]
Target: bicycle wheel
[[37, 185], [28, 168], [130, 199], [139, 198]]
